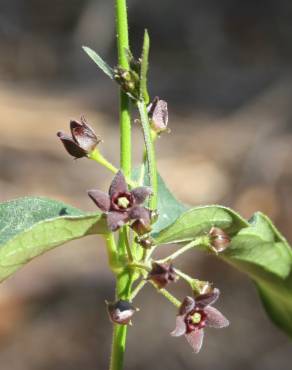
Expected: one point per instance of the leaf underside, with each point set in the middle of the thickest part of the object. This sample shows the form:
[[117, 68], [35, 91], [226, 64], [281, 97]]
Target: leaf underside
[[33, 225]]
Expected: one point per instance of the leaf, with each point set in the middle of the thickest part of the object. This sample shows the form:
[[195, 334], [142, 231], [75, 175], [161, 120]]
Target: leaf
[[277, 300], [144, 68], [196, 221], [99, 61], [260, 245], [168, 207], [33, 225]]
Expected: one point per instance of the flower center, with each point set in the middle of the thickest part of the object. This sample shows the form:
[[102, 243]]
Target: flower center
[[195, 320], [123, 202]]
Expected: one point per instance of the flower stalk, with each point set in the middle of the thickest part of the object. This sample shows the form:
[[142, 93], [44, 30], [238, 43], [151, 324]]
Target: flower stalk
[[124, 280]]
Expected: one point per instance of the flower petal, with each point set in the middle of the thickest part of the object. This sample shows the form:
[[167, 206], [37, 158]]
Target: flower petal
[[195, 339], [101, 199], [188, 304], [84, 135], [140, 213], [159, 117], [141, 193], [215, 318], [204, 300], [180, 326], [115, 220], [70, 145], [118, 184]]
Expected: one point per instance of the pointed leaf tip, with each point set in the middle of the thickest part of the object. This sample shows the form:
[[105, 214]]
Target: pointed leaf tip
[[99, 62]]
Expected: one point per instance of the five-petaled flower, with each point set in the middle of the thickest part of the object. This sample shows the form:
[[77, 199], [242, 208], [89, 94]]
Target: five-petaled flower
[[121, 205], [195, 314], [83, 140]]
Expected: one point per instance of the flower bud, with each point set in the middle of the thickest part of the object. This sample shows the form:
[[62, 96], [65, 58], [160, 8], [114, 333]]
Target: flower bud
[[141, 227], [158, 115], [83, 140], [154, 216], [162, 274], [219, 239], [128, 80], [146, 242], [121, 312]]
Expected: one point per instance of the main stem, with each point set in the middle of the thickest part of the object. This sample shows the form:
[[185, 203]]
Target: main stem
[[124, 279], [125, 116]]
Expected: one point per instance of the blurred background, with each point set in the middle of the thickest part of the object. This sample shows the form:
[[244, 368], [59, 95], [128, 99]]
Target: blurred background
[[225, 69]]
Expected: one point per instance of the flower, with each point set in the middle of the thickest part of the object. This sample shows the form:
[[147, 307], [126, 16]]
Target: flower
[[219, 239], [162, 274], [83, 140], [121, 205], [121, 312], [158, 115], [195, 314]]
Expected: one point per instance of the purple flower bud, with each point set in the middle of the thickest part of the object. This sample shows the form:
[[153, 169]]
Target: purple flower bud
[[158, 115], [121, 312], [219, 239], [162, 274], [145, 241], [83, 140]]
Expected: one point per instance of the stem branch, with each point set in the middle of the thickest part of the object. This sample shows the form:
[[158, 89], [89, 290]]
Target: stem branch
[[193, 243], [150, 152]]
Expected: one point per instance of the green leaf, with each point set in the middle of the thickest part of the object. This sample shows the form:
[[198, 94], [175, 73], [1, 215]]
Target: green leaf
[[33, 225], [168, 207], [197, 221], [277, 300], [99, 61], [260, 245], [144, 68]]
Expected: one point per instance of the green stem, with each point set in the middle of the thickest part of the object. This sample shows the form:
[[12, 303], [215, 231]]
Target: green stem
[[99, 158], [128, 248], [125, 279], [195, 284], [138, 288], [167, 295], [140, 266], [125, 116], [150, 151], [199, 241], [112, 252], [123, 291]]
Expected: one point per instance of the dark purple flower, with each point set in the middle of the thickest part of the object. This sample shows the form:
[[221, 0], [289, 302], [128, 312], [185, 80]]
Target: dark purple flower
[[121, 312], [83, 140], [219, 239], [195, 314], [158, 115], [122, 205], [162, 274]]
